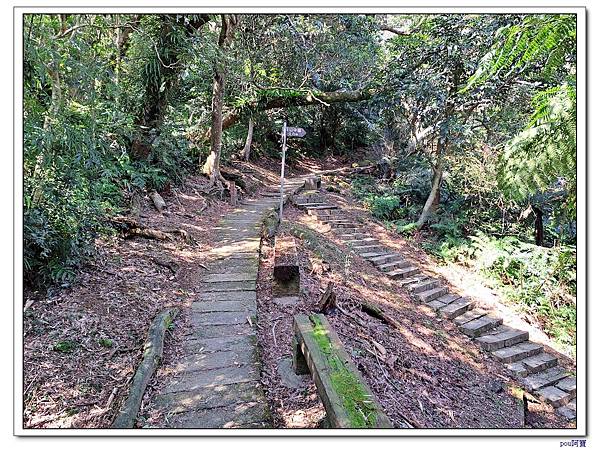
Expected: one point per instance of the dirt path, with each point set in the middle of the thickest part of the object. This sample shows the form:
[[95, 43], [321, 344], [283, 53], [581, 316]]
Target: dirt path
[[214, 383]]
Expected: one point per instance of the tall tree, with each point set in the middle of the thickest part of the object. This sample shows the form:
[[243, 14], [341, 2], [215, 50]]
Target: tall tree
[[212, 165]]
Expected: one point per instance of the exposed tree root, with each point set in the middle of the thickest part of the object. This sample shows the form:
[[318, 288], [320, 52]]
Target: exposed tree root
[[131, 228]]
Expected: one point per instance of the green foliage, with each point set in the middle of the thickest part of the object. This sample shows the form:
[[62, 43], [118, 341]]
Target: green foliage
[[545, 151], [107, 343], [83, 102], [65, 346], [548, 39]]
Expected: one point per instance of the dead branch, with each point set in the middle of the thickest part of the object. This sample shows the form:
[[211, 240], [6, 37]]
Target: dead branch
[[347, 170], [328, 300]]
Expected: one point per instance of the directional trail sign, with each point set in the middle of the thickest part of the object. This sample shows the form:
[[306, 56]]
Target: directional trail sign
[[295, 132]]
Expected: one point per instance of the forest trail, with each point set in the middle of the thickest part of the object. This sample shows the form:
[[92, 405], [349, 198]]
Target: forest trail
[[216, 384]]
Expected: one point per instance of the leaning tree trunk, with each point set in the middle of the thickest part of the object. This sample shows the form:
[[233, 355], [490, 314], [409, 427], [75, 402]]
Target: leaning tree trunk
[[433, 199], [246, 151], [211, 166]]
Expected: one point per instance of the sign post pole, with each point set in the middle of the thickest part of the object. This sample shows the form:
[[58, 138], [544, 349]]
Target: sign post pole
[[283, 148]]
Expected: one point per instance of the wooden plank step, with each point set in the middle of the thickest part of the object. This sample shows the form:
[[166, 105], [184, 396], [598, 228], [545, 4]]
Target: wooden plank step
[[457, 308], [403, 273], [491, 342], [431, 294], [545, 378], [423, 286], [388, 267], [318, 350], [477, 327], [517, 352]]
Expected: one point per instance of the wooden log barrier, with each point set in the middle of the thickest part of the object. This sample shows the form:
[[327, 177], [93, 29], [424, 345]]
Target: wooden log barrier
[[348, 401]]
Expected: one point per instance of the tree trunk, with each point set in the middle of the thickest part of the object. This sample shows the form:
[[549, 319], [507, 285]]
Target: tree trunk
[[213, 161], [539, 226], [431, 204], [211, 167], [316, 98], [56, 95], [249, 140]]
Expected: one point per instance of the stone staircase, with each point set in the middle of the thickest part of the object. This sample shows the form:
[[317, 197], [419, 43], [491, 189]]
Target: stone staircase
[[535, 369]]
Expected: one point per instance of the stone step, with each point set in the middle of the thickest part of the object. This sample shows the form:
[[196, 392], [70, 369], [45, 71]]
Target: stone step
[[477, 327], [386, 258], [403, 273], [569, 385], [368, 255], [491, 342], [457, 308], [423, 286], [442, 302], [318, 206], [388, 267], [342, 225], [229, 276], [517, 352], [368, 248], [569, 411], [469, 315], [356, 229], [365, 241], [202, 318], [351, 236], [539, 362], [412, 280], [431, 294], [225, 306], [208, 397], [553, 395], [226, 286], [545, 378]]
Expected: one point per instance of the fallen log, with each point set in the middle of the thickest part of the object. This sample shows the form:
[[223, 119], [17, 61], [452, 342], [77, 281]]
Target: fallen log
[[131, 228], [375, 311], [153, 349]]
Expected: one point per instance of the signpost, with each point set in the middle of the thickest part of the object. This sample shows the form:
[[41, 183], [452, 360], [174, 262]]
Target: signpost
[[285, 132]]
